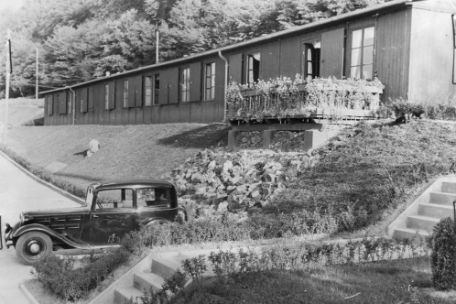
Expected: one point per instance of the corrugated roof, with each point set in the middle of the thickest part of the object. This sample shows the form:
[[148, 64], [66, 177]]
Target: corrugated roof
[[288, 32]]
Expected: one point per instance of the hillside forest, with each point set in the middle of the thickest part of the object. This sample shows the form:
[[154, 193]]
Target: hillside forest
[[79, 40]]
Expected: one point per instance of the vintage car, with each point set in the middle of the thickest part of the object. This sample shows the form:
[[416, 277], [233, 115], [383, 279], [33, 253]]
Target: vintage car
[[111, 211]]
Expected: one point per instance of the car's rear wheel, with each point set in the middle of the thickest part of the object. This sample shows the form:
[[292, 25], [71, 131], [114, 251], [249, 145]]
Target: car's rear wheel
[[33, 246]]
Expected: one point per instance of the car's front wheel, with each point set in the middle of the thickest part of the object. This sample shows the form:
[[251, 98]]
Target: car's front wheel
[[33, 246]]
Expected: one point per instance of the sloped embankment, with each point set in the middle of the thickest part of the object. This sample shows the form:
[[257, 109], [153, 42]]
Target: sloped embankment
[[351, 183]]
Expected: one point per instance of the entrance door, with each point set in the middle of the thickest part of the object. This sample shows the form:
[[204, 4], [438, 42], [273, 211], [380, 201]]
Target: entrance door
[[311, 60]]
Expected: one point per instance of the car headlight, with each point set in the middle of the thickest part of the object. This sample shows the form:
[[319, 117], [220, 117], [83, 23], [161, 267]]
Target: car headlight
[[8, 228]]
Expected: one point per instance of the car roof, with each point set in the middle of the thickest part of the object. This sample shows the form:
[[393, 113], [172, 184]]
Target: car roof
[[136, 183]]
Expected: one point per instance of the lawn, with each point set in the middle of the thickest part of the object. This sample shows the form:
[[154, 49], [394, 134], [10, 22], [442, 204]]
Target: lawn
[[404, 281], [367, 172], [127, 152]]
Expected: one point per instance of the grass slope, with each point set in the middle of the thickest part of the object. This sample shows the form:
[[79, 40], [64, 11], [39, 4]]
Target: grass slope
[[369, 170], [127, 152], [406, 281]]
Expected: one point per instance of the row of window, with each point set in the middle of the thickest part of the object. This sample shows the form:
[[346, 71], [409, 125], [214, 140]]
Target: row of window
[[361, 67], [151, 91], [361, 63]]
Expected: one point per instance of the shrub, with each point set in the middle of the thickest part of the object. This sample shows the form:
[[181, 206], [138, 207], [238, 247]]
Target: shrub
[[70, 283], [404, 110], [443, 258], [284, 97]]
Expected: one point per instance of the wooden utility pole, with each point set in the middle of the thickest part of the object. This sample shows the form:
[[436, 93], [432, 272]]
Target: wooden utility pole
[[157, 44], [36, 75], [8, 70]]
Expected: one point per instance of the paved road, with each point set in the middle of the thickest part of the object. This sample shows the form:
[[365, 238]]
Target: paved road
[[19, 192]]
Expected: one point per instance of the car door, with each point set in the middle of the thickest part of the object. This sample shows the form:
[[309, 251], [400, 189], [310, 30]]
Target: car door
[[113, 215]]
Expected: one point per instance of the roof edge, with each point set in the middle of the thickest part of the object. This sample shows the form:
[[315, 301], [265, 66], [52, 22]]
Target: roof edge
[[294, 30]]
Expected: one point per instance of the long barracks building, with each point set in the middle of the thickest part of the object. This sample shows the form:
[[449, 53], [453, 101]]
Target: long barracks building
[[409, 45]]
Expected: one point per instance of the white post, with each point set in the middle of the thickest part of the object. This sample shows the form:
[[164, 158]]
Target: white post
[[36, 75], [7, 83], [157, 44]]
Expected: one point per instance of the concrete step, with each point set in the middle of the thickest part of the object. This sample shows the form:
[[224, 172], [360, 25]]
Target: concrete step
[[407, 233], [420, 222], [449, 187], [147, 281], [435, 210], [127, 295], [164, 267], [442, 198]]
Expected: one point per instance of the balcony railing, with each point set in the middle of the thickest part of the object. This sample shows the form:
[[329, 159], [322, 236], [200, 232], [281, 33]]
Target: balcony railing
[[283, 98]]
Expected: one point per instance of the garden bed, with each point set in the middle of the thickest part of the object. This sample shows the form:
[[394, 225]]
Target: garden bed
[[404, 281], [284, 98]]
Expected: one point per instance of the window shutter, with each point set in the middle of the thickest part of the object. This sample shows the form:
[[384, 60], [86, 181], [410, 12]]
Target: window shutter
[[90, 100], [332, 53], [195, 81], [62, 103], [112, 102], [137, 84]]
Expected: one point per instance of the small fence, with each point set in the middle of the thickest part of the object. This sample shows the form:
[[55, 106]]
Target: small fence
[[311, 100]]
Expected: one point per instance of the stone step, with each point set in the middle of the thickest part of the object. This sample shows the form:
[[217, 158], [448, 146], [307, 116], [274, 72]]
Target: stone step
[[147, 281], [164, 267], [127, 295], [442, 198], [420, 222], [449, 187], [407, 233], [435, 210]]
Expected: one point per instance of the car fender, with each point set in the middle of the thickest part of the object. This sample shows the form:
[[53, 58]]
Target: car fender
[[41, 228], [152, 221]]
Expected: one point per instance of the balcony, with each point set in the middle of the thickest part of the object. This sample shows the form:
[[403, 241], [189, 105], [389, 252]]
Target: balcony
[[284, 99]]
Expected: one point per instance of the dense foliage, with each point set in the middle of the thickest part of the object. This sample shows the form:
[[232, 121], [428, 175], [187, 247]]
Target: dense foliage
[[82, 39], [443, 258], [403, 281], [227, 265], [70, 283], [284, 97]]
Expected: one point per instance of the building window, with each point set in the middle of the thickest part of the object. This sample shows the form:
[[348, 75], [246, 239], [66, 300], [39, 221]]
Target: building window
[[82, 107], [148, 91], [253, 68], [125, 94], [184, 85], [156, 88], [362, 53], [209, 81], [106, 97], [311, 60]]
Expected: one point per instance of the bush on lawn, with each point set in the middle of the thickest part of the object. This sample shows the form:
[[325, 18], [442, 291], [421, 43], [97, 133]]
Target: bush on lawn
[[69, 283], [443, 258]]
